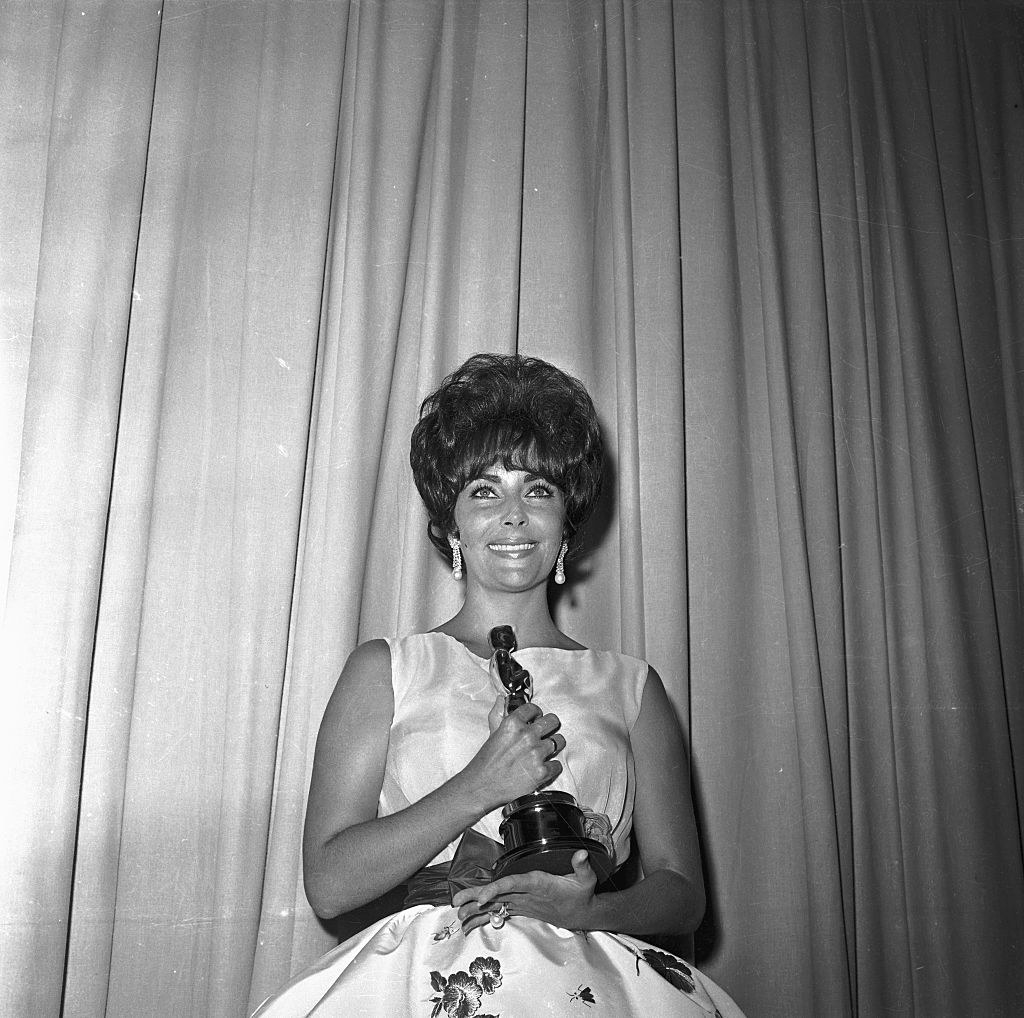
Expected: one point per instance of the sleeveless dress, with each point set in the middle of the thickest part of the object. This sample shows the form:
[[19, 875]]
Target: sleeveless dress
[[418, 961]]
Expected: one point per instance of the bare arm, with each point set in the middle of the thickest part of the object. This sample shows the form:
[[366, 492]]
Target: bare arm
[[670, 897], [350, 855]]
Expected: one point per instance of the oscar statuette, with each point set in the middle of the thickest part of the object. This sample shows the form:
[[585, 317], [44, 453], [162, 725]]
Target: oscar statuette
[[542, 830]]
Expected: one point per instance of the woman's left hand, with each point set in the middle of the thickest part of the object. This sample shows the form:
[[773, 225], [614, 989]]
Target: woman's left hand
[[564, 901]]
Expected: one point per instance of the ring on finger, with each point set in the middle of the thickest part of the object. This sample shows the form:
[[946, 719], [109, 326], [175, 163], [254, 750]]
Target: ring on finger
[[499, 915]]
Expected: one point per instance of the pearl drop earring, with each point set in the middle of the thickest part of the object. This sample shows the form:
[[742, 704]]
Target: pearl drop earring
[[456, 558], [560, 564]]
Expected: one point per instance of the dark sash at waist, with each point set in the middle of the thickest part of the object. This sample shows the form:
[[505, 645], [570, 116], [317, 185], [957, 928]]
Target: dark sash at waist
[[471, 867]]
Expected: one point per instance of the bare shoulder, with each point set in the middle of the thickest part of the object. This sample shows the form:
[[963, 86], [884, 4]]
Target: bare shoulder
[[657, 719], [654, 687], [364, 686], [370, 661]]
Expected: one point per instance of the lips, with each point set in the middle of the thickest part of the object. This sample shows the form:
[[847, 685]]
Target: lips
[[510, 548]]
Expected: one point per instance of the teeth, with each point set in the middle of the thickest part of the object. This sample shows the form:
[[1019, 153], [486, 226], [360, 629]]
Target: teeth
[[510, 547]]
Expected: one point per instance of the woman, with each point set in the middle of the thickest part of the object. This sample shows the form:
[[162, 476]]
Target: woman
[[416, 748]]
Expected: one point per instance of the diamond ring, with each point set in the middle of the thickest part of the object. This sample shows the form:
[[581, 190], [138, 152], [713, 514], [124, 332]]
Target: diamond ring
[[499, 915]]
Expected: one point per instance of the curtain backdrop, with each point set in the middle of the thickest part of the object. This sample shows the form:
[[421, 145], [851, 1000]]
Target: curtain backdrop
[[782, 245]]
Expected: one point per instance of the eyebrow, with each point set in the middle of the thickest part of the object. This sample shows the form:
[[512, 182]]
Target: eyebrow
[[495, 479]]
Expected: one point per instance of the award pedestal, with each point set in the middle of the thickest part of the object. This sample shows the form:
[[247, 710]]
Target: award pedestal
[[543, 830]]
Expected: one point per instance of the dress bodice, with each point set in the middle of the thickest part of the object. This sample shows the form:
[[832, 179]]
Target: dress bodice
[[443, 694]]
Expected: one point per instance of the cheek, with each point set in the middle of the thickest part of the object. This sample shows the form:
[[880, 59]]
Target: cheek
[[470, 523], [554, 517]]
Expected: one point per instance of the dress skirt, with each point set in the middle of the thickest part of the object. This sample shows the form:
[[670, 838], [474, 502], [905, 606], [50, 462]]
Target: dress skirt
[[418, 962]]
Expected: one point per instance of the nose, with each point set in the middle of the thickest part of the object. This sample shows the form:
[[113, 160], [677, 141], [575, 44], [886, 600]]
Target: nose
[[516, 516]]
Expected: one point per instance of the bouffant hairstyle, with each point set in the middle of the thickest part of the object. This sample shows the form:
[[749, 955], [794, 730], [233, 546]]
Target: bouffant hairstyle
[[521, 411]]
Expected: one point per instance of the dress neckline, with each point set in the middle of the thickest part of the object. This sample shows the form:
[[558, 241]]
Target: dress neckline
[[521, 650]]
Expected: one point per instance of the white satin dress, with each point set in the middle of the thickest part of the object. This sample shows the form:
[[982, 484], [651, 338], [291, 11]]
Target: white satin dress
[[418, 961]]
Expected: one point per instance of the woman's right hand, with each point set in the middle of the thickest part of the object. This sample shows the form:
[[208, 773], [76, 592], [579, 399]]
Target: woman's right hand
[[517, 757]]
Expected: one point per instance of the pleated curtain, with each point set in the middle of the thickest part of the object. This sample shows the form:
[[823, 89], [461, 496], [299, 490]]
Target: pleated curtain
[[781, 243]]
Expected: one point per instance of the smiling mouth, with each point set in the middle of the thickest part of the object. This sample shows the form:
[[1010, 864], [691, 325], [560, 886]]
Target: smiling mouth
[[503, 548]]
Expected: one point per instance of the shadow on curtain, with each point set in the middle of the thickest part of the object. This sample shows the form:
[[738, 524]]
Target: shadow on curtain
[[780, 243]]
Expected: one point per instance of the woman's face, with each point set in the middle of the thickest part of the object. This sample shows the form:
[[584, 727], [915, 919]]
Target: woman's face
[[510, 525]]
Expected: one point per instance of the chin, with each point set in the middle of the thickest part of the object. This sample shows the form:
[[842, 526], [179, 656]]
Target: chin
[[516, 584]]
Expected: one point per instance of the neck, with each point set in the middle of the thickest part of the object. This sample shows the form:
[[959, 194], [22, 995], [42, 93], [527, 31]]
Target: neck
[[527, 612]]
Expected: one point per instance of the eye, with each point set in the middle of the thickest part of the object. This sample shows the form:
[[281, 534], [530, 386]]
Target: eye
[[482, 491], [541, 490]]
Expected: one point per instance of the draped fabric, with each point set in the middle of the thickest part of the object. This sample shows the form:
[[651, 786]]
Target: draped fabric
[[780, 243]]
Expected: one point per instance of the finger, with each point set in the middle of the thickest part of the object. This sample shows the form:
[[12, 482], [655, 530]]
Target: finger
[[554, 769], [469, 910], [475, 922], [548, 747], [497, 712], [517, 883], [480, 902], [471, 917], [466, 895], [581, 865], [527, 713], [557, 744], [472, 908], [548, 724]]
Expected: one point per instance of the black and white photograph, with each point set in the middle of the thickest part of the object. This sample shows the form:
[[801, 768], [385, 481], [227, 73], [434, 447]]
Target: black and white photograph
[[511, 508]]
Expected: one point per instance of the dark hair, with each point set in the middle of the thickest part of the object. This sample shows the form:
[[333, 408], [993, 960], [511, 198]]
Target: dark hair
[[522, 411]]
